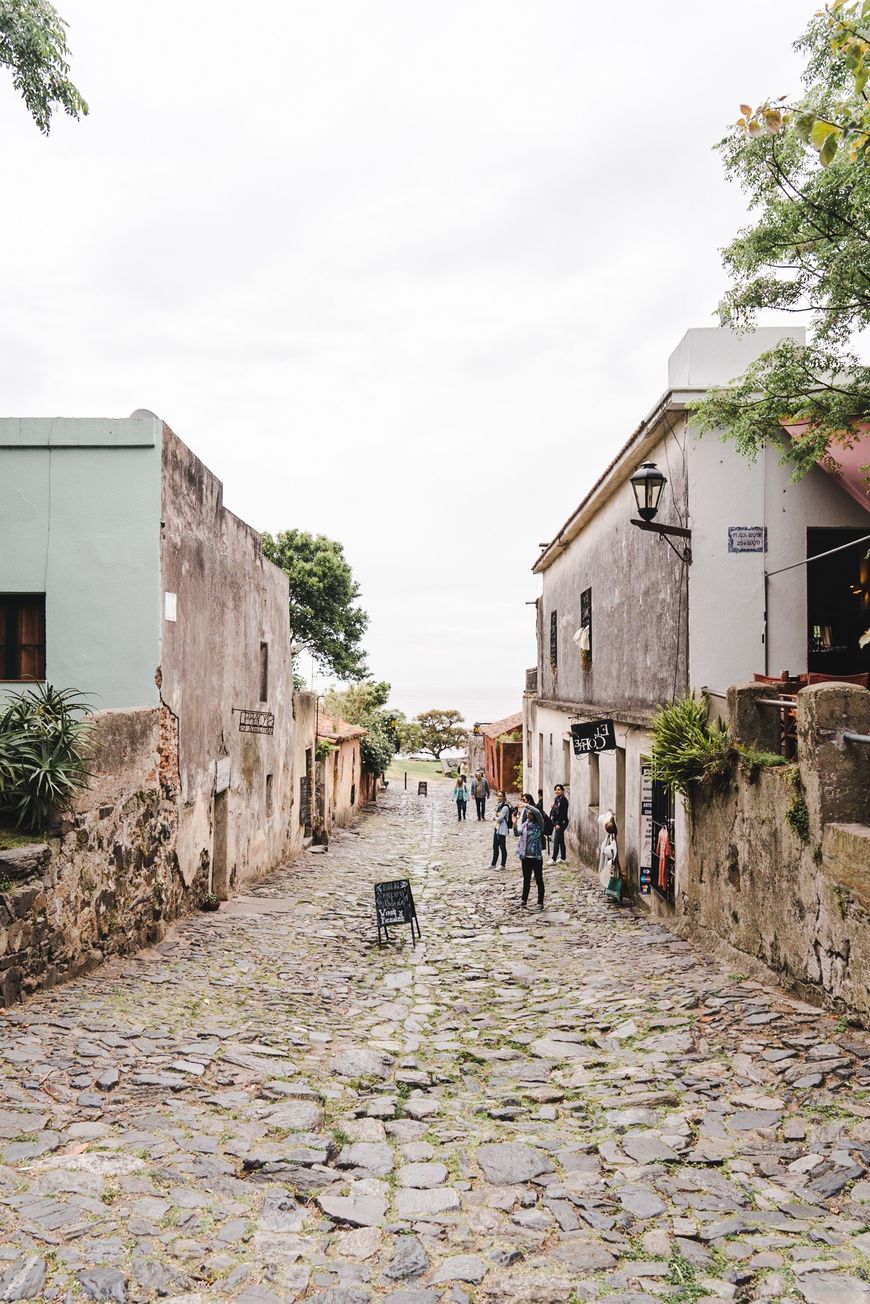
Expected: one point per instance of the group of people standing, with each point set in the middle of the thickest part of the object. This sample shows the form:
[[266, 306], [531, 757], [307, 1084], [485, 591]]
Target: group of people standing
[[530, 823], [479, 791]]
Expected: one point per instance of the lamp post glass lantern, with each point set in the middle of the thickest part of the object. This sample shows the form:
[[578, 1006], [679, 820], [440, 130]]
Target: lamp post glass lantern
[[648, 483]]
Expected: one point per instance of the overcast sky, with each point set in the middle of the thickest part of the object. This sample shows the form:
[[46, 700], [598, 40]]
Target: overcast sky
[[403, 272]]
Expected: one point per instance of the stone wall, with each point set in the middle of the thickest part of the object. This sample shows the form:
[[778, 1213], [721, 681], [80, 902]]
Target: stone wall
[[225, 647], [107, 881], [778, 865]]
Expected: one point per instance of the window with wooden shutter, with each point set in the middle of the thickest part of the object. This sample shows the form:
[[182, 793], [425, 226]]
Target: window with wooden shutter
[[22, 636]]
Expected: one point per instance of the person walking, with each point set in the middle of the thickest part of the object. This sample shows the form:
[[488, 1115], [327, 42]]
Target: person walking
[[559, 816], [530, 849], [501, 830], [460, 796], [480, 792]]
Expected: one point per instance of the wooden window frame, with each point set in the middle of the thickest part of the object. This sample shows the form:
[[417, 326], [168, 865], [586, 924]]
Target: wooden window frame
[[11, 605]]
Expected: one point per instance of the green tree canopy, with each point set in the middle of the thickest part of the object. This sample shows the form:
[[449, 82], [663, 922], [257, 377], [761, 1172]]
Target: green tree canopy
[[33, 47], [439, 731], [365, 704], [323, 593], [358, 702], [805, 166]]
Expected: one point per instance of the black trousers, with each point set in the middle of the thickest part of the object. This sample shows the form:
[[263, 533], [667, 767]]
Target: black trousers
[[481, 807], [531, 867], [460, 809], [558, 842], [499, 844]]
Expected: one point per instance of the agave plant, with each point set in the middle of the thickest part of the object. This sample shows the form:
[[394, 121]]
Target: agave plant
[[43, 753], [687, 748]]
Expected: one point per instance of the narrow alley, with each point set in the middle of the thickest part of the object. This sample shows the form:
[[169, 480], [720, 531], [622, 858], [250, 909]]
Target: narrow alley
[[525, 1108]]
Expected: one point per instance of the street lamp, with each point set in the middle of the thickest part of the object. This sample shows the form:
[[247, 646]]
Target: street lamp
[[647, 484]]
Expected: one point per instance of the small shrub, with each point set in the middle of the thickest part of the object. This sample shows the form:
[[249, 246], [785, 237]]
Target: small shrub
[[797, 817], [687, 749], [43, 761], [754, 761]]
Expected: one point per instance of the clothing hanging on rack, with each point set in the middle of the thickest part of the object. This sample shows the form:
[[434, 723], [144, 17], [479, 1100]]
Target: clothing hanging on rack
[[664, 851]]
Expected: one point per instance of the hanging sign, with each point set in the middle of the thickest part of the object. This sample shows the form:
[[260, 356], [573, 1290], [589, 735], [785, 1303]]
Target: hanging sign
[[258, 722], [593, 736], [394, 904], [747, 538]]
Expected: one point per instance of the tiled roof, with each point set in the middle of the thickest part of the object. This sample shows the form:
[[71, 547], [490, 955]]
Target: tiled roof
[[334, 730], [505, 726]]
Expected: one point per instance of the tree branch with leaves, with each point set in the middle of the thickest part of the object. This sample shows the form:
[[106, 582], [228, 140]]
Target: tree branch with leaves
[[805, 167], [324, 616], [33, 47]]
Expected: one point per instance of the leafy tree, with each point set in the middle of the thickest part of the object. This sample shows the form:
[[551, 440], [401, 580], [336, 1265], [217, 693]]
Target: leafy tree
[[323, 617], [805, 167], [33, 47], [376, 747], [365, 704], [358, 702], [439, 731]]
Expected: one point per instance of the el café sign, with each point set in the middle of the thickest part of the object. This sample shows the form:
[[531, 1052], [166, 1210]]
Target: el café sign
[[593, 736]]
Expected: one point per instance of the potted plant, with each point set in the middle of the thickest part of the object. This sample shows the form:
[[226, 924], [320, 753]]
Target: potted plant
[[210, 902]]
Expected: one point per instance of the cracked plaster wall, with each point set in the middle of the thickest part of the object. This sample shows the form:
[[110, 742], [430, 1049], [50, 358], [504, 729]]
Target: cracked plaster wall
[[229, 600]]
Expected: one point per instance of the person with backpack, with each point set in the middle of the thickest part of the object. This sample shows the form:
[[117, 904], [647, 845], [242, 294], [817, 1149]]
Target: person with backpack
[[480, 792], [503, 820], [530, 849], [460, 796], [559, 817]]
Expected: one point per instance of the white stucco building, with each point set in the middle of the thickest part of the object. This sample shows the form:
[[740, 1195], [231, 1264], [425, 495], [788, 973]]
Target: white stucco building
[[658, 625]]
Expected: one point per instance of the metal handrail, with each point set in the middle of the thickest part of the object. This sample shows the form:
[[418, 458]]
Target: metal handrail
[[776, 701], [850, 737]]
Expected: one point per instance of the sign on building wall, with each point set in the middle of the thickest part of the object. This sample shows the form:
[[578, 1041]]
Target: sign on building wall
[[592, 737], [222, 771], [258, 722], [170, 606], [747, 538], [646, 827]]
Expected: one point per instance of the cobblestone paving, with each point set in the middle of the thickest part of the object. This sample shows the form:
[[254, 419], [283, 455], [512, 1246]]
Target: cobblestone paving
[[527, 1107]]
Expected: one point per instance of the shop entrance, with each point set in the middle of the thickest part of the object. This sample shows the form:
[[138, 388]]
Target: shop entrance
[[663, 852], [838, 603]]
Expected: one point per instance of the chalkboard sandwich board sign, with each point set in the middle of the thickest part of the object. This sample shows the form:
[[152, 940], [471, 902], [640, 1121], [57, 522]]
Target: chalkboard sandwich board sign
[[394, 904]]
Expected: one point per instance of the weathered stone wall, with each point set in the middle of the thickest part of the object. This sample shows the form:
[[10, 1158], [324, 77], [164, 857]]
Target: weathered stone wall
[[304, 743], [639, 618], [107, 881], [342, 783], [798, 904], [230, 603]]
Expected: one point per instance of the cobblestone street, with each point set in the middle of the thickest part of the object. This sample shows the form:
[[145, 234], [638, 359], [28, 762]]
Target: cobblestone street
[[524, 1108]]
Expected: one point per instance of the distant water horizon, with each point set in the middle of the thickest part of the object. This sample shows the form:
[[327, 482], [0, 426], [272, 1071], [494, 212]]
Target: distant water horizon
[[478, 705]]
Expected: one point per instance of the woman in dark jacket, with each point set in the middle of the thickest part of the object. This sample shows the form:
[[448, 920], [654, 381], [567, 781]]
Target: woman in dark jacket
[[530, 849]]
